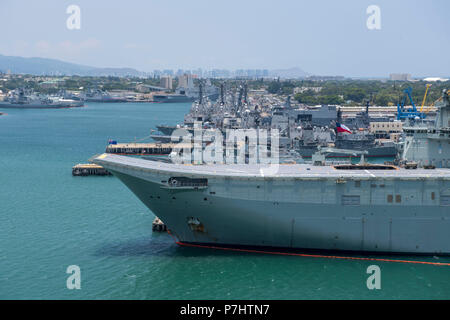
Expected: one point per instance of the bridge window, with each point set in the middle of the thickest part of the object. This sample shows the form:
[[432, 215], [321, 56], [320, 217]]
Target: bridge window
[[390, 198]]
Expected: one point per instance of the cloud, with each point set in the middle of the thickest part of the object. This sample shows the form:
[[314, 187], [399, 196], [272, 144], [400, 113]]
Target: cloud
[[16, 48], [21, 45], [43, 46], [78, 47], [131, 46], [57, 50]]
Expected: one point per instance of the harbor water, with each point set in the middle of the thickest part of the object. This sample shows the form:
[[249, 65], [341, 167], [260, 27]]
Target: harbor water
[[50, 220]]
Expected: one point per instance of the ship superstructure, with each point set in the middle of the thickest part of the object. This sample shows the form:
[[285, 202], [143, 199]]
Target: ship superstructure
[[427, 143], [97, 95], [188, 93]]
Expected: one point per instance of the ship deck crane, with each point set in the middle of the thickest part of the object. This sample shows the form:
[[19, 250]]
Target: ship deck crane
[[425, 97], [412, 113], [430, 107]]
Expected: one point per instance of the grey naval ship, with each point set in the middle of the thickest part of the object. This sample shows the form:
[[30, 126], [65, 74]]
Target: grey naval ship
[[357, 207], [97, 95], [188, 94], [27, 99]]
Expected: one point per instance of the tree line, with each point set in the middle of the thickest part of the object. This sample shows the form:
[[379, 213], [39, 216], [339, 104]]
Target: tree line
[[357, 92]]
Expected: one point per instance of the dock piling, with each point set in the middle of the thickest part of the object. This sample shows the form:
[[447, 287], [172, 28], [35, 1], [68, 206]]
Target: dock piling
[[158, 225]]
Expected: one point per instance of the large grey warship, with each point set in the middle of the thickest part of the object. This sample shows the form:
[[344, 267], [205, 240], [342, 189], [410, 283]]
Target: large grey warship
[[97, 95], [188, 94], [364, 207], [22, 98]]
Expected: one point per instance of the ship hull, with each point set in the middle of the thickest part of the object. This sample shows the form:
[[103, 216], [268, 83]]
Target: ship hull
[[237, 212], [382, 152], [172, 99], [106, 100], [39, 106], [166, 130], [179, 98], [161, 138]]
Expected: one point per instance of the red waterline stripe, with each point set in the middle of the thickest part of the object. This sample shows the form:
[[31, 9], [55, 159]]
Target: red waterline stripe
[[366, 156], [308, 255], [139, 154]]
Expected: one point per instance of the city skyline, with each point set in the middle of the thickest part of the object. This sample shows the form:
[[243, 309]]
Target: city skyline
[[322, 38]]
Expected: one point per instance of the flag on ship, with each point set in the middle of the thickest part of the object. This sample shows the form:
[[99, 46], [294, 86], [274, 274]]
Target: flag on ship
[[342, 128]]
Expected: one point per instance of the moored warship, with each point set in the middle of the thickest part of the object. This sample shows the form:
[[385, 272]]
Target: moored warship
[[303, 129], [97, 95], [188, 94], [27, 99], [362, 207]]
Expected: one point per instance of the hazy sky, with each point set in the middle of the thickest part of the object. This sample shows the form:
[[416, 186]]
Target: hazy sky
[[324, 37]]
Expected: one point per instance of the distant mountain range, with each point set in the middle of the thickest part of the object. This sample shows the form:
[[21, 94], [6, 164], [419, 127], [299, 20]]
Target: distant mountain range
[[44, 66], [291, 73]]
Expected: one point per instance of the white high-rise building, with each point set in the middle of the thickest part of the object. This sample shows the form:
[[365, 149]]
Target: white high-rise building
[[166, 82], [185, 81], [400, 77]]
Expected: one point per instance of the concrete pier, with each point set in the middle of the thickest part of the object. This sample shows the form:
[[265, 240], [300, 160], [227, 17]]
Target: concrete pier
[[141, 148], [89, 169], [158, 225]]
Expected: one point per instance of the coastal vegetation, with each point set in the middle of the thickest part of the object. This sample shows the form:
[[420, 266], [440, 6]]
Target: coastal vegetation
[[310, 92], [357, 92]]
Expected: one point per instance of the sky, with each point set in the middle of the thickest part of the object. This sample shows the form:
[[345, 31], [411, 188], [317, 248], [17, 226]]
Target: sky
[[322, 37]]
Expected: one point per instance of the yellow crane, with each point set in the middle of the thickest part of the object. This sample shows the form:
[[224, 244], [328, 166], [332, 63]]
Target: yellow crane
[[425, 97], [432, 105]]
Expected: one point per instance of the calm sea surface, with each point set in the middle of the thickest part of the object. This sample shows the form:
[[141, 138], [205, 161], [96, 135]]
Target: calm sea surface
[[50, 220]]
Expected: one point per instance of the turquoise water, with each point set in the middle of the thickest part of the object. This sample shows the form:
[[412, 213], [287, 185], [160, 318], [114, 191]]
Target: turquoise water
[[50, 220]]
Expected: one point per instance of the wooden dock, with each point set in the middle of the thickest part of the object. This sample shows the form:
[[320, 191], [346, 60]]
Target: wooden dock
[[89, 169]]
